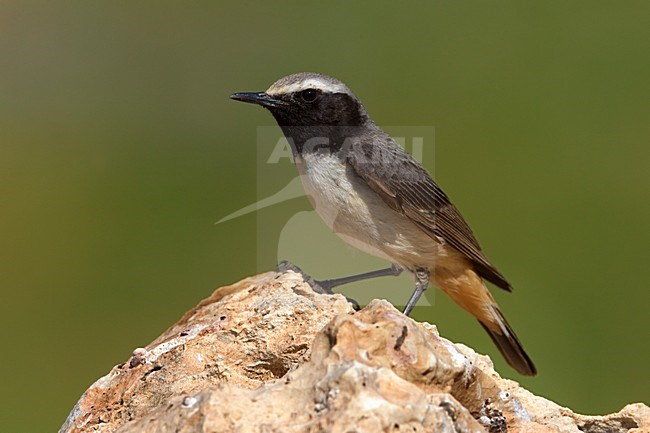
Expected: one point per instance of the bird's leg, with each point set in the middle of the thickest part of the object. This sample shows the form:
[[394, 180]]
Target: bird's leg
[[325, 286], [421, 284], [328, 285]]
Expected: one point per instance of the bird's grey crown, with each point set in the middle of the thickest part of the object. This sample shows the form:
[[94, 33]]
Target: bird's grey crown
[[307, 80]]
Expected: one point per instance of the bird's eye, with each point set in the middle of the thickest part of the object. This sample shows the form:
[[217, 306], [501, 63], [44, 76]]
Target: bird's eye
[[309, 95]]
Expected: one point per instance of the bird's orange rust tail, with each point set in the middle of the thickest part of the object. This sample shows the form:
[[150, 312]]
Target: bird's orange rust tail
[[466, 288]]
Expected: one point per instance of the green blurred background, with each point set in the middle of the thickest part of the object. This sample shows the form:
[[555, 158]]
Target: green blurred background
[[119, 149]]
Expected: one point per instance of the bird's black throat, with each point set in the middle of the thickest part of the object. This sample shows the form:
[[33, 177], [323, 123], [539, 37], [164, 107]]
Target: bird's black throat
[[322, 138]]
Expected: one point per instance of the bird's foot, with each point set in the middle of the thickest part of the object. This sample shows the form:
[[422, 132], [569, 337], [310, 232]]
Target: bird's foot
[[321, 287]]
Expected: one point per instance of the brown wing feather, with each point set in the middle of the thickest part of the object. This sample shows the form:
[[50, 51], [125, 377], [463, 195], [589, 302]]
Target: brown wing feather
[[407, 188]]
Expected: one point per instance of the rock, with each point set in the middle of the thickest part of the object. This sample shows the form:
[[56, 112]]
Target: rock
[[268, 354]]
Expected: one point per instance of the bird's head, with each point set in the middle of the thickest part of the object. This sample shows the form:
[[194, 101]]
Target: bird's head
[[309, 99]]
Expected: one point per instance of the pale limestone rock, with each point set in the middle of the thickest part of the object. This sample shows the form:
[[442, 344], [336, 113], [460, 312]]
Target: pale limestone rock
[[268, 354]]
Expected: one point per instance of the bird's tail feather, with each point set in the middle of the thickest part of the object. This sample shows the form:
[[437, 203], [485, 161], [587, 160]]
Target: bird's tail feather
[[510, 346]]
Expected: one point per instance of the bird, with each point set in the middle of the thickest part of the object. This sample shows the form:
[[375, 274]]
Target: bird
[[378, 198]]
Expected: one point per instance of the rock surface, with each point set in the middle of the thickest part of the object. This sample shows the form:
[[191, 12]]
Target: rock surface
[[268, 354]]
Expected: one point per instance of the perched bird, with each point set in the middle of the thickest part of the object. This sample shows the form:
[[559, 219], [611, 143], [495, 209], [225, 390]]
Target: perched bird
[[376, 197]]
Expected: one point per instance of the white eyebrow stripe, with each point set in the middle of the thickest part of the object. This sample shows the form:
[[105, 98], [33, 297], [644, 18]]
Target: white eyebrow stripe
[[310, 83]]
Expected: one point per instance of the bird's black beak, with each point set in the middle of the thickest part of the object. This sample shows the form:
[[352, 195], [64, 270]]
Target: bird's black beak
[[259, 98]]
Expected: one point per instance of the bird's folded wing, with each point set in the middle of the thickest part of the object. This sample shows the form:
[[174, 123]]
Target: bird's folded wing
[[407, 188]]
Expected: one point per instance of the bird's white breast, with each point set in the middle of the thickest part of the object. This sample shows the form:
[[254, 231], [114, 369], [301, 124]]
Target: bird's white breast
[[359, 216]]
